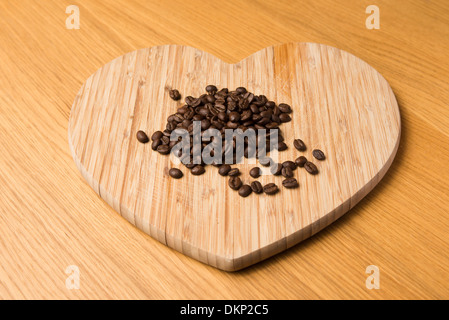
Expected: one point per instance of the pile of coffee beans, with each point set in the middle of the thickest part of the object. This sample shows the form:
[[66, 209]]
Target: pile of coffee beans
[[239, 109]]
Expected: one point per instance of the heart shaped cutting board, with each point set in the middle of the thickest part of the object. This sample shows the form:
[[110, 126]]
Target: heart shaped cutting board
[[340, 104]]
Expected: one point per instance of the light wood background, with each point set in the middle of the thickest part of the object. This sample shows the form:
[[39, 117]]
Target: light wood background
[[50, 217]]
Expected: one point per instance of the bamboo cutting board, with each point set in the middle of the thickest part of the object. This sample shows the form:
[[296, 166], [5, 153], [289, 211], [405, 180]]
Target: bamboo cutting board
[[341, 105]]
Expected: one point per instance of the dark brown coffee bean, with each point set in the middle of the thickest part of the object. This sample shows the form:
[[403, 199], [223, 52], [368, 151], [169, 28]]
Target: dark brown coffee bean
[[287, 172], [174, 94], [175, 173], [189, 100], [257, 187], [276, 169], [265, 161], [235, 183], [270, 188], [142, 136], [310, 167], [245, 190], [285, 108], [234, 172], [197, 170], [211, 89], [155, 144], [163, 149], [272, 125], [301, 161], [285, 117], [290, 183], [241, 90], [224, 169], [318, 154], [289, 164], [171, 126], [205, 124], [299, 145], [156, 135], [234, 116], [255, 172], [165, 140], [282, 146]]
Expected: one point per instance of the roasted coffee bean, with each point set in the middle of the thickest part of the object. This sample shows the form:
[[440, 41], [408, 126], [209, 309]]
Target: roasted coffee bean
[[265, 161], [290, 183], [171, 126], [299, 145], [142, 136], [234, 172], [289, 164], [235, 183], [285, 117], [255, 172], [310, 167], [276, 169], [285, 108], [318, 154], [301, 161], [165, 140], [241, 90], [197, 170], [157, 135], [224, 169], [189, 100], [256, 186], [211, 89], [245, 190], [270, 188], [205, 124], [175, 173], [174, 94], [282, 146], [163, 149], [287, 172], [234, 116]]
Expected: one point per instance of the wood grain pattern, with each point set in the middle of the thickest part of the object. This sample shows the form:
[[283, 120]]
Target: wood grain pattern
[[340, 105], [50, 218]]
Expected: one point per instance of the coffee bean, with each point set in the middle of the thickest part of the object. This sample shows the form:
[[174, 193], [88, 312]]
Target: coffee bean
[[197, 170], [287, 172], [245, 190], [282, 146], [299, 144], [265, 161], [270, 189], [211, 89], [318, 154], [256, 186], [276, 169], [284, 117], [285, 108], [310, 167], [157, 135], [289, 164], [241, 90], [290, 183], [255, 172], [163, 149], [175, 173], [142, 136], [174, 94], [234, 172], [224, 169], [301, 161], [234, 116], [155, 144], [235, 183]]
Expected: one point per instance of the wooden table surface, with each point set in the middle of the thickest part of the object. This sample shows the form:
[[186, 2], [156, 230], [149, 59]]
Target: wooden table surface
[[51, 219]]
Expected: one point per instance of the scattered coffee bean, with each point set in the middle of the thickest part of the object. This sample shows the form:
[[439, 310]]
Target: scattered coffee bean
[[224, 169], [256, 186], [299, 144], [142, 136], [290, 183], [235, 183], [265, 161], [318, 154], [234, 172], [174, 94], [287, 172], [175, 173], [155, 144], [255, 172], [157, 135], [276, 169], [282, 146], [310, 167], [289, 164], [270, 188], [245, 190], [285, 108], [285, 117], [211, 89], [197, 170], [301, 161], [163, 149]]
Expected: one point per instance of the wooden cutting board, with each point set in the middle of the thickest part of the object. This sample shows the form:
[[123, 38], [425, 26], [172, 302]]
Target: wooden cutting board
[[341, 105]]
